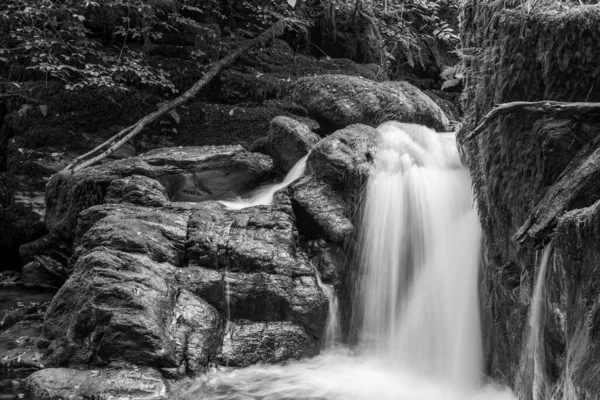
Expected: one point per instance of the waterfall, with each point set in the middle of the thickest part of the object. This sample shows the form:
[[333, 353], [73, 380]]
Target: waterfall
[[417, 308], [264, 196], [420, 240], [534, 379], [332, 333]]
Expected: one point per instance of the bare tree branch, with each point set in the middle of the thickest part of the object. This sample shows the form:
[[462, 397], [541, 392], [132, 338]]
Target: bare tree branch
[[581, 111], [102, 151]]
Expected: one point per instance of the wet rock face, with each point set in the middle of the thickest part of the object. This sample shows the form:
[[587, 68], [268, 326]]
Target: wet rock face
[[514, 163], [343, 160], [35, 276], [127, 383], [251, 266], [181, 286], [574, 291], [249, 343], [180, 174], [155, 287], [321, 211], [288, 141], [338, 101]]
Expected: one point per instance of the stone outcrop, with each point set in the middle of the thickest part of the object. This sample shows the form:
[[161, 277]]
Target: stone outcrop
[[181, 286], [338, 101], [114, 383], [514, 163], [165, 287], [179, 174], [287, 142], [321, 212], [343, 159]]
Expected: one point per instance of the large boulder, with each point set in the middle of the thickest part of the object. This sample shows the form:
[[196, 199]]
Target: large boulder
[[158, 286], [337, 101], [251, 267], [287, 142], [321, 211], [249, 343], [133, 383], [343, 160], [122, 302], [179, 174]]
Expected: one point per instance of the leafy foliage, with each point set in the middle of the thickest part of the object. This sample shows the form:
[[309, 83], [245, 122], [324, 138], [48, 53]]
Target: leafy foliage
[[51, 37], [106, 42], [407, 25]]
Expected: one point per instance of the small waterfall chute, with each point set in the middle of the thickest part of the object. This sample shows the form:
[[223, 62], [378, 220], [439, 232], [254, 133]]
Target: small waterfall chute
[[420, 247], [264, 196], [534, 380], [332, 333]]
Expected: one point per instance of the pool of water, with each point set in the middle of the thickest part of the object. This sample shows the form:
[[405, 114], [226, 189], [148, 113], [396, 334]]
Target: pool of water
[[14, 303], [335, 375]]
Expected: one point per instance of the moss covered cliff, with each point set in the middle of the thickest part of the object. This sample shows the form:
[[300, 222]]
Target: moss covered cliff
[[517, 54]]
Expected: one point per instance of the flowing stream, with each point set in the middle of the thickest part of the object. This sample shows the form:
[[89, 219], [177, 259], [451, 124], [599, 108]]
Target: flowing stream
[[264, 196], [417, 311]]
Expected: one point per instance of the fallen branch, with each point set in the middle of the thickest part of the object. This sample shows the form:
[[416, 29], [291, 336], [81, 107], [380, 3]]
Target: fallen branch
[[582, 111], [99, 153], [579, 177]]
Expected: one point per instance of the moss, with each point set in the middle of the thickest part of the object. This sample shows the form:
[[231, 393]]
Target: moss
[[205, 124], [513, 55], [578, 262]]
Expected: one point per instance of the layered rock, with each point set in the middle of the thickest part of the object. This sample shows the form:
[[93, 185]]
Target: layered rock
[[164, 287], [181, 286], [181, 174], [321, 212], [343, 159], [338, 101]]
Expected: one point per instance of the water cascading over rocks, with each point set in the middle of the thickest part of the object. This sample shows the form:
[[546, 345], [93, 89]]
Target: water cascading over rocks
[[417, 307], [420, 243]]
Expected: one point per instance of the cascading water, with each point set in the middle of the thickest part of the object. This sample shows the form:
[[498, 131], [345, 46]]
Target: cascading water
[[331, 336], [420, 255], [264, 196], [534, 382], [418, 308]]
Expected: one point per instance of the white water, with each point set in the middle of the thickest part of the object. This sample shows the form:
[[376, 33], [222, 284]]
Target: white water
[[419, 307], [332, 334], [420, 255], [264, 196], [535, 364]]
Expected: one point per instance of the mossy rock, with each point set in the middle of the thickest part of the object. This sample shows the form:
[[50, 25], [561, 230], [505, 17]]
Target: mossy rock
[[339, 100], [547, 54]]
